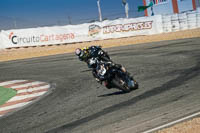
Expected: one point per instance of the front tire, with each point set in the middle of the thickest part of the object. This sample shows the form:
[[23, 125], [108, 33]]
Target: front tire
[[136, 85], [116, 82]]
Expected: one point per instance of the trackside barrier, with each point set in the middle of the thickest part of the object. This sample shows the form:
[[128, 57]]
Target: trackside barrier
[[198, 17], [175, 22], [192, 20], [100, 30], [81, 33], [182, 21], [167, 23]]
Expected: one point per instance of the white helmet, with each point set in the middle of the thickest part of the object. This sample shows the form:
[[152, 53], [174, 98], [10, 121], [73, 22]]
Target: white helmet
[[78, 51]]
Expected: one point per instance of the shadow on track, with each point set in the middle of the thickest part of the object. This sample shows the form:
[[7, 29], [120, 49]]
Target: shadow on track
[[117, 93], [112, 94]]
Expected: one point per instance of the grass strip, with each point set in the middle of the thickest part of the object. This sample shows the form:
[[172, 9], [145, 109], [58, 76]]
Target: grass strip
[[6, 94]]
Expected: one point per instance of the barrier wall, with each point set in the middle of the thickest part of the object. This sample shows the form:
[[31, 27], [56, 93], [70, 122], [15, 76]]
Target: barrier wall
[[99, 30], [80, 33], [182, 21]]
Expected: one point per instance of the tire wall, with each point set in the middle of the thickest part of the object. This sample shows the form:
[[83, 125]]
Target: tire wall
[[182, 21]]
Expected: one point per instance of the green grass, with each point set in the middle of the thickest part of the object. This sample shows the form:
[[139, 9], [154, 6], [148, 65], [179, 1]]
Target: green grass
[[6, 94]]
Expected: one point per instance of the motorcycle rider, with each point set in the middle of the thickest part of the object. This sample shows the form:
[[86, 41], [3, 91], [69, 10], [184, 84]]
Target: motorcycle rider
[[86, 56], [99, 78], [83, 54], [100, 65], [87, 53]]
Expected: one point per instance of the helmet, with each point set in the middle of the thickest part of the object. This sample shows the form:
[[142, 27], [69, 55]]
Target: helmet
[[78, 51]]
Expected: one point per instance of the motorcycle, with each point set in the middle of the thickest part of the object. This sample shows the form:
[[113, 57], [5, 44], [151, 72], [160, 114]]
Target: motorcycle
[[97, 52], [114, 77]]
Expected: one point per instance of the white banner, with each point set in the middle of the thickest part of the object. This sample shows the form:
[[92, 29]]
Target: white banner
[[131, 27], [80, 33]]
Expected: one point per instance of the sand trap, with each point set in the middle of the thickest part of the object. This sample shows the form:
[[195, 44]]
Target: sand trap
[[191, 126]]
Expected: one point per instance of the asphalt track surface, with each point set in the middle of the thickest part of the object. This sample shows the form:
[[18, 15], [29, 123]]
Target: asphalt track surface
[[168, 73]]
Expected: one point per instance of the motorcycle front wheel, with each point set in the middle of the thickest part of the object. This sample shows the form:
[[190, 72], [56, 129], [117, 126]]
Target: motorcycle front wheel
[[120, 84]]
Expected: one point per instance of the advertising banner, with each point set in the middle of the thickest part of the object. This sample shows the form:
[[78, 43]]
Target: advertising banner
[[36, 36], [127, 27], [80, 33]]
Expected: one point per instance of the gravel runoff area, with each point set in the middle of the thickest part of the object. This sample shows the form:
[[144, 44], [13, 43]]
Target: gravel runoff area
[[190, 126]]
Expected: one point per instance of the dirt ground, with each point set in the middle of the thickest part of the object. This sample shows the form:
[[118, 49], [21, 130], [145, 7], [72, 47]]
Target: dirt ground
[[190, 126]]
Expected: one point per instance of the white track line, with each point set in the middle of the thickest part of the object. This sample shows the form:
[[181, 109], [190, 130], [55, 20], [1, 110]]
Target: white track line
[[26, 96], [27, 85], [14, 106], [11, 82], [33, 89], [172, 123]]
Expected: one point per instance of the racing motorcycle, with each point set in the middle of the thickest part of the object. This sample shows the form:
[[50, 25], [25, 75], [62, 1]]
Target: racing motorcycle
[[114, 77]]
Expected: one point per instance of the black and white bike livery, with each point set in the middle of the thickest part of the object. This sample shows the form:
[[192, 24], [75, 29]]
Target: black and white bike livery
[[114, 77]]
